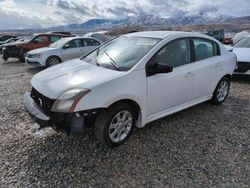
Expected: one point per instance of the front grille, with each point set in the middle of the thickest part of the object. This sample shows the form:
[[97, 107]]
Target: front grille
[[42, 101], [243, 67]]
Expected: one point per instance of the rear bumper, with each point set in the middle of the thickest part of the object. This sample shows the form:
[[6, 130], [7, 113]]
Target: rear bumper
[[35, 111]]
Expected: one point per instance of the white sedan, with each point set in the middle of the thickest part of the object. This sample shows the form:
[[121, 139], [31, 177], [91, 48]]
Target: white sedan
[[242, 51], [130, 81], [63, 50]]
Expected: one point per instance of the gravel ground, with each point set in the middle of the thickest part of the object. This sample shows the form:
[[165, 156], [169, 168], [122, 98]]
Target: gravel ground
[[204, 146]]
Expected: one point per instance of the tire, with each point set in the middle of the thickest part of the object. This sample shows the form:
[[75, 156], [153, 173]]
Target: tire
[[22, 59], [53, 60], [5, 58], [221, 91], [109, 131]]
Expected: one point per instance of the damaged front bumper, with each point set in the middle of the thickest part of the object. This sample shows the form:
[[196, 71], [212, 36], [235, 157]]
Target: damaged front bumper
[[35, 111], [69, 122]]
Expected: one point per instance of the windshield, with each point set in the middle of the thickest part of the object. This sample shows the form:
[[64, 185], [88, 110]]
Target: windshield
[[59, 43], [243, 43], [121, 53]]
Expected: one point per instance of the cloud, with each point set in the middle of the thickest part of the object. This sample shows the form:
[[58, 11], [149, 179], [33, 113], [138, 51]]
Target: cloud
[[46, 13]]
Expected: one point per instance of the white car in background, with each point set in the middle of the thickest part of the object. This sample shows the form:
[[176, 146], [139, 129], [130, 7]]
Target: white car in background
[[130, 81], [63, 50], [101, 36], [242, 51]]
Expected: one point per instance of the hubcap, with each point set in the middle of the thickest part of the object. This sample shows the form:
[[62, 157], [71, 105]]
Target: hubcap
[[120, 126], [53, 61], [222, 91]]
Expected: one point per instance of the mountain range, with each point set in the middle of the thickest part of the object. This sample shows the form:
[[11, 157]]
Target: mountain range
[[146, 21]]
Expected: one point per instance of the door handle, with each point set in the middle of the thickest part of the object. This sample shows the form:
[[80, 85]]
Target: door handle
[[189, 74]]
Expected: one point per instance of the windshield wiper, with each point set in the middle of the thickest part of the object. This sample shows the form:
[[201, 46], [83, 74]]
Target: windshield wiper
[[112, 62]]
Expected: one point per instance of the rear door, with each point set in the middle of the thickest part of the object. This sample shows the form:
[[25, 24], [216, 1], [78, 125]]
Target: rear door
[[208, 66]]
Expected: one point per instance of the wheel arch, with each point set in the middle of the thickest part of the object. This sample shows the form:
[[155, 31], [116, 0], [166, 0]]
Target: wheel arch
[[136, 107], [130, 102]]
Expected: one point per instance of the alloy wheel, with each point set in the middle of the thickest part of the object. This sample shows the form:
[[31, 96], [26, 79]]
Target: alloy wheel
[[120, 126], [222, 91]]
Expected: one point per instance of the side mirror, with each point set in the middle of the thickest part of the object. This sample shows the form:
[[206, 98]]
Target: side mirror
[[158, 69], [66, 46], [35, 41]]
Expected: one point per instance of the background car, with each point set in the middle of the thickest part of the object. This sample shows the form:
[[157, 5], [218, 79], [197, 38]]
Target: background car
[[129, 81], [101, 36], [19, 49], [6, 37], [242, 51], [63, 50], [216, 33], [2, 43]]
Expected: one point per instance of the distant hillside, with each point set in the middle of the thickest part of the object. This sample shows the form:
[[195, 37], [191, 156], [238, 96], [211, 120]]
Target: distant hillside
[[145, 21]]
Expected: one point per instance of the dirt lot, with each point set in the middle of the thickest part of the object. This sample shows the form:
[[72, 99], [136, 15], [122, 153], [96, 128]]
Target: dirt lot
[[204, 146]]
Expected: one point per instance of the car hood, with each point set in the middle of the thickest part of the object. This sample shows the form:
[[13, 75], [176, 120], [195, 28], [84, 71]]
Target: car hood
[[41, 50], [76, 73], [16, 43], [243, 54]]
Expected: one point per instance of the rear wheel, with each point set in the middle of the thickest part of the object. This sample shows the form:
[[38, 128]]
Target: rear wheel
[[221, 91], [53, 60], [114, 125]]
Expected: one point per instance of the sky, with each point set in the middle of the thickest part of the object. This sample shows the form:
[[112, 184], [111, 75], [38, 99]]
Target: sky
[[15, 14]]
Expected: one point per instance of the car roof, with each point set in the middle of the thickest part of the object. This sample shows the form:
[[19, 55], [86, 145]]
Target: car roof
[[154, 34], [72, 38]]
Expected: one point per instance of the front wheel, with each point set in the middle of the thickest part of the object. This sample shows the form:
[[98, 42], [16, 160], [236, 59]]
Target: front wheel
[[221, 91], [53, 60], [114, 125]]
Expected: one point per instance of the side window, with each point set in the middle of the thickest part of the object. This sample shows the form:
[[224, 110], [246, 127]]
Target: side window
[[175, 53], [54, 38], [39, 39], [71, 44], [205, 49], [90, 42], [78, 43]]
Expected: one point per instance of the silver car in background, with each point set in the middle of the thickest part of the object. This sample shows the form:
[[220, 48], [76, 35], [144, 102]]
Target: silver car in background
[[63, 50]]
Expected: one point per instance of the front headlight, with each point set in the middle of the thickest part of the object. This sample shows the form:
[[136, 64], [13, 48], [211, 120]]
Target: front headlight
[[4, 48], [67, 102], [35, 55]]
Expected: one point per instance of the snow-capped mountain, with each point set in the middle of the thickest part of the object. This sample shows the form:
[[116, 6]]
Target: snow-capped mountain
[[148, 20]]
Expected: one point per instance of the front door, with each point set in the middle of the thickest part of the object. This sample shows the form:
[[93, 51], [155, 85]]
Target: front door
[[71, 50], [169, 90]]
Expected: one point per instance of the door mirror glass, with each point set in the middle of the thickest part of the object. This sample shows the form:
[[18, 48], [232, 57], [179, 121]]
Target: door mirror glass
[[161, 68], [153, 67]]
